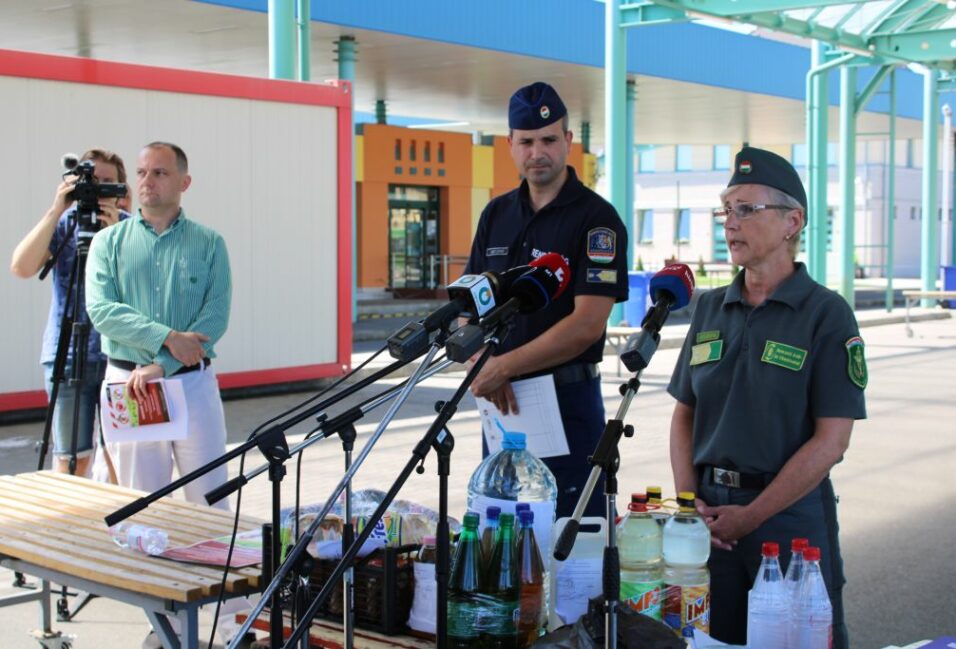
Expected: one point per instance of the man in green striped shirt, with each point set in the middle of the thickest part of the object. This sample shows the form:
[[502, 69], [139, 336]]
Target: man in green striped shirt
[[158, 291]]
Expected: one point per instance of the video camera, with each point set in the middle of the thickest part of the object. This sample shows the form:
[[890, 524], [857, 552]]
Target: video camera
[[87, 192]]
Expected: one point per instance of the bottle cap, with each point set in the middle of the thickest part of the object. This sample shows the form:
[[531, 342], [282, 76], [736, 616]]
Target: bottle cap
[[521, 506], [799, 545], [491, 514], [429, 540], [654, 493], [471, 519], [637, 507], [514, 441], [638, 498], [811, 554], [770, 549], [507, 520], [526, 517], [685, 500]]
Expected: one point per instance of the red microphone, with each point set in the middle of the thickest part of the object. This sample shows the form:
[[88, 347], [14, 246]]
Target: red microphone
[[558, 267]]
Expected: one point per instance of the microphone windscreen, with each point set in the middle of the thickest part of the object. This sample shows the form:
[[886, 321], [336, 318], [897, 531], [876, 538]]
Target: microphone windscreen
[[69, 160], [675, 279], [559, 267]]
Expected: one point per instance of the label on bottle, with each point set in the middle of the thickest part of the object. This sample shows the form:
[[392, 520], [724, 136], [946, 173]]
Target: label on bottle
[[499, 616], [643, 596], [464, 617], [687, 607]]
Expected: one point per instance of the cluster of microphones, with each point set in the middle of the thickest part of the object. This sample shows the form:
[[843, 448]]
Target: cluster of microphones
[[488, 300]]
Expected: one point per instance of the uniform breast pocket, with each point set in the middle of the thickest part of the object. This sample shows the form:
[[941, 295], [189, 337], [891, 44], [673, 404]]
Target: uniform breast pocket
[[192, 279]]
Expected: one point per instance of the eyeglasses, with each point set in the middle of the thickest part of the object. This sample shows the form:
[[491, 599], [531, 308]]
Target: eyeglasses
[[744, 211]]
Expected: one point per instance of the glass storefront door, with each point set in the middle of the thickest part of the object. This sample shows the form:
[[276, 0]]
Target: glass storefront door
[[413, 241]]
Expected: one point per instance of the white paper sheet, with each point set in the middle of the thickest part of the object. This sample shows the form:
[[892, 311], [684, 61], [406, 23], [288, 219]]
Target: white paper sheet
[[173, 430], [539, 418]]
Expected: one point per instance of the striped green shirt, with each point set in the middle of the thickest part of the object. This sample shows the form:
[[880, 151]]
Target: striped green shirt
[[140, 286]]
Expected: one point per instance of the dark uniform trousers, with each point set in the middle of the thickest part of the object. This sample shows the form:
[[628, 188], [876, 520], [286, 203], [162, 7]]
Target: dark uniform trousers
[[732, 572], [582, 412]]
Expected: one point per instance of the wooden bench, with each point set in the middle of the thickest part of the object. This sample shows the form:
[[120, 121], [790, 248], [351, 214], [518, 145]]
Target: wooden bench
[[51, 526], [914, 296]]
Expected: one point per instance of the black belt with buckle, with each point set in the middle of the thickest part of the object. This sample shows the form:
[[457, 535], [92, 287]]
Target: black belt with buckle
[[129, 366], [573, 373], [735, 479]]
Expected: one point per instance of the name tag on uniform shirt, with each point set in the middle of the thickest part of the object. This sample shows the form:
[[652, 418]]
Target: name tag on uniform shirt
[[707, 352], [497, 252], [783, 355]]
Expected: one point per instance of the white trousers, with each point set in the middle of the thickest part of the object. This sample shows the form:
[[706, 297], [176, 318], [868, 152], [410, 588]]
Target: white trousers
[[148, 466]]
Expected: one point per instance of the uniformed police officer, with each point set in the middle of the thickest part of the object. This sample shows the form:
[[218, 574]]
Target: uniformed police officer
[[768, 384], [552, 211]]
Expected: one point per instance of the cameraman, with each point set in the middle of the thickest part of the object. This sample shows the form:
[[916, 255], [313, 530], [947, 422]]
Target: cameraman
[[29, 257]]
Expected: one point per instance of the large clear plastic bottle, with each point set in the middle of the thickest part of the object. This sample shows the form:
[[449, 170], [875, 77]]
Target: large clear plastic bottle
[[795, 568], [767, 603], [811, 614], [686, 578], [639, 543], [513, 474], [135, 536]]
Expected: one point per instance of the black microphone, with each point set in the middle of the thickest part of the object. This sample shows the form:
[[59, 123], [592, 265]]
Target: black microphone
[[69, 161], [546, 279], [670, 289], [470, 296]]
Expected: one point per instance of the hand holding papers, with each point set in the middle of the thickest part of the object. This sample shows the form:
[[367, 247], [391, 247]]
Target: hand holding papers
[[539, 418]]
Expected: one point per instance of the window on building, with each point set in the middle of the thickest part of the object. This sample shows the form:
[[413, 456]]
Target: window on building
[[645, 160], [645, 224], [411, 150], [398, 149], [682, 225], [909, 154], [798, 155], [441, 152], [720, 238], [427, 153], [721, 157], [685, 157]]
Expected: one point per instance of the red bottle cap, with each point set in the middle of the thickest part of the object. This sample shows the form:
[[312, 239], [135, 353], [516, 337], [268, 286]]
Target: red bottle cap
[[798, 545], [638, 498], [770, 549], [637, 507], [811, 554]]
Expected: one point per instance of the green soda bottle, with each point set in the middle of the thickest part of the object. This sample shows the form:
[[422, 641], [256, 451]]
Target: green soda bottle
[[464, 588]]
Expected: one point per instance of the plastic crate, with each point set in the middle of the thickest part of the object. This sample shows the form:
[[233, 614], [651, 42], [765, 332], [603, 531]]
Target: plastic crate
[[383, 586]]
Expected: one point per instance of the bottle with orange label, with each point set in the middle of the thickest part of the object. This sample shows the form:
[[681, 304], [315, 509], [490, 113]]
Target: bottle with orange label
[[686, 549]]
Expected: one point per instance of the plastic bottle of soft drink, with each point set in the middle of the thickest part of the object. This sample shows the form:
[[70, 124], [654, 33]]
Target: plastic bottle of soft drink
[[655, 504], [639, 543], [421, 617], [811, 614], [502, 589], [465, 611], [141, 538], [686, 578], [531, 607], [490, 534], [795, 568], [767, 603]]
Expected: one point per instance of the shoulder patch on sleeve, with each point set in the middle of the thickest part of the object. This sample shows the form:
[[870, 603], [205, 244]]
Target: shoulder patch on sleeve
[[856, 362], [601, 245]]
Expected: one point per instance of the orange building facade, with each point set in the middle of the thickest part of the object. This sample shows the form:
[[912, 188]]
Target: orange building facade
[[419, 194]]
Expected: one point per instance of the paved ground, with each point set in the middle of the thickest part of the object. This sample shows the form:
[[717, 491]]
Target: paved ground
[[896, 487]]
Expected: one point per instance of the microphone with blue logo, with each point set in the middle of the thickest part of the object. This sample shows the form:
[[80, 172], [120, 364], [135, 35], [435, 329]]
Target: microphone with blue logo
[[670, 289]]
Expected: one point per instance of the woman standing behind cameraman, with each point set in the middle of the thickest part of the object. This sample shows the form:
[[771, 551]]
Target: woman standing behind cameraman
[[29, 257]]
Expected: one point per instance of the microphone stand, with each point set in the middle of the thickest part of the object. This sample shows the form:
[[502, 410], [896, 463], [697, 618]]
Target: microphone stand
[[296, 553], [439, 438]]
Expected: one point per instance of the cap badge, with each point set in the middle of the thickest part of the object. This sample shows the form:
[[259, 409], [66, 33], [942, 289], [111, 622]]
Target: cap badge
[[745, 167], [545, 112]]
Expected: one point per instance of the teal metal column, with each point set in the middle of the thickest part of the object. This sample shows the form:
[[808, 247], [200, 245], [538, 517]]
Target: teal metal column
[[891, 197], [281, 39], [846, 265], [615, 146], [304, 27], [586, 136], [929, 264], [629, 189], [946, 190], [817, 103], [345, 48]]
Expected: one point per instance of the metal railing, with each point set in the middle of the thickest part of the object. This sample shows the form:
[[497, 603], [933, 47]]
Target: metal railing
[[441, 267]]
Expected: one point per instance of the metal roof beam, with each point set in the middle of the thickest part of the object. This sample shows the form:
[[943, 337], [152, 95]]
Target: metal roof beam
[[923, 47], [641, 14], [729, 8], [929, 18], [898, 18]]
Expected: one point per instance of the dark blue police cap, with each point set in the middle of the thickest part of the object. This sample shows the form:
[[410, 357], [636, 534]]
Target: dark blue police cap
[[534, 107], [759, 167]]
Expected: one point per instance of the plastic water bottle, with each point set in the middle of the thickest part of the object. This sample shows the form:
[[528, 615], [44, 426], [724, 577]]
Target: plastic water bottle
[[141, 538], [655, 503], [686, 578], [795, 569], [639, 547], [767, 603], [465, 610], [511, 475], [531, 600], [501, 604], [490, 534], [811, 615], [421, 617]]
